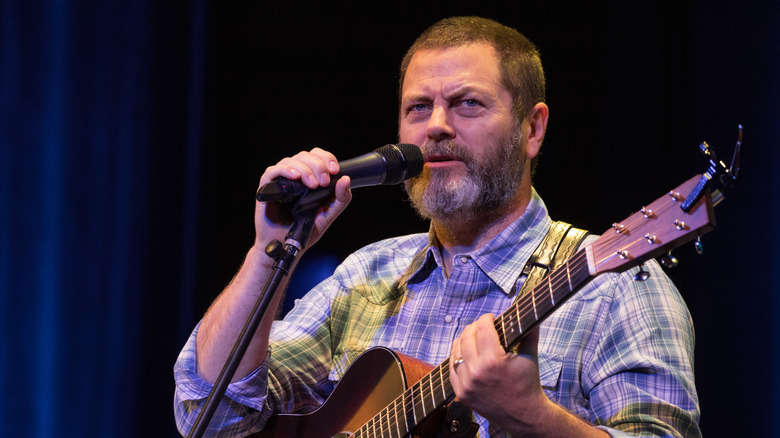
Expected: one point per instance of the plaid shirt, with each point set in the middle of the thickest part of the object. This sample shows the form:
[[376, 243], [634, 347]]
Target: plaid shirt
[[619, 353]]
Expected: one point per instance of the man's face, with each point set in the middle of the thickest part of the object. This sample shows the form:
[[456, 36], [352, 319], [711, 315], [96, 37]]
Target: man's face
[[454, 106]]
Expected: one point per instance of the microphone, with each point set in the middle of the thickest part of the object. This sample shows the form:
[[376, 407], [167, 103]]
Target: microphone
[[390, 164]]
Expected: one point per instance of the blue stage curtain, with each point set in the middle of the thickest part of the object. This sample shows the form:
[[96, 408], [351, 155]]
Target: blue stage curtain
[[89, 92]]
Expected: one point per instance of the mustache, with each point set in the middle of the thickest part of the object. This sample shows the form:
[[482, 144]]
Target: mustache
[[448, 148]]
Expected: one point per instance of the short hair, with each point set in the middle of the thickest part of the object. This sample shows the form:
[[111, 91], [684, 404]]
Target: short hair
[[520, 65]]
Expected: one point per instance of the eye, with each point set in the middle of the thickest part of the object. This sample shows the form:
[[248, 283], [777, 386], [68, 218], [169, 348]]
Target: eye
[[418, 107], [471, 102]]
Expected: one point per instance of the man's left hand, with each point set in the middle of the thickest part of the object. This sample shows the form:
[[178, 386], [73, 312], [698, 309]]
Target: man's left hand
[[496, 384]]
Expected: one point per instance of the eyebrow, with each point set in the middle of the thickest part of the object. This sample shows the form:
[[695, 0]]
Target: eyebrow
[[456, 93]]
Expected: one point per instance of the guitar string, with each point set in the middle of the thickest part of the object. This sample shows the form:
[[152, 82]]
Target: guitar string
[[444, 369], [529, 305], [390, 411], [522, 308], [427, 387]]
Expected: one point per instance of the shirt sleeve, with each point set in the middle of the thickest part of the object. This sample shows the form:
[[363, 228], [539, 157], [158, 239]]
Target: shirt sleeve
[[239, 413], [640, 379], [294, 378]]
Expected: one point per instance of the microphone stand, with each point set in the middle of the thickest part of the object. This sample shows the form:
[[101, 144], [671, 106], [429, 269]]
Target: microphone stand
[[304, 211]]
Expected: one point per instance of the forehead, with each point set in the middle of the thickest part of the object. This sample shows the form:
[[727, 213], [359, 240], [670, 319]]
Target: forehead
[[472, 65]]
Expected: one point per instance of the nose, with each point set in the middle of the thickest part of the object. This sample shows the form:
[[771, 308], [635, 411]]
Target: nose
[[439, 127]]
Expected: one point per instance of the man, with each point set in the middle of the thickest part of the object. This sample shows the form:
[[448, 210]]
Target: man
[[616, 359]]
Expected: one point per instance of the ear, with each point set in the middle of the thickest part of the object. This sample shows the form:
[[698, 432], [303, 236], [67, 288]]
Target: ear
[[535, 125]]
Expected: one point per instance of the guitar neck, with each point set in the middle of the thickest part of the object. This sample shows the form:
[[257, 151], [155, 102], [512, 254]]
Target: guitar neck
[[530, 309], [434, 390]]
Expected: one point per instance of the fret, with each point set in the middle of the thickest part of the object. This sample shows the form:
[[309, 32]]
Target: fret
[[568, 276], [383, 418], [371, 427], [411, 420], [434, 391], [518, 321], [416, 394], [533, 303], [552, 294], [444, 379], [427, 402], [391, 425], [397, 420], [430, 386], [378, 424], [502, 331]]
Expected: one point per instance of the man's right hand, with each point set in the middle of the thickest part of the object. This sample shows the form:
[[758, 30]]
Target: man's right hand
[[226, 316]]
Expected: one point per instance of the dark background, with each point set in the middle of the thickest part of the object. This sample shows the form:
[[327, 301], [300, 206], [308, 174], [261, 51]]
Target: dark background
[[133, 134]]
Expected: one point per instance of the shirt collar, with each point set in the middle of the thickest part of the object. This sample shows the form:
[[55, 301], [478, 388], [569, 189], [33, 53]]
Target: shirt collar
[[503, 258]]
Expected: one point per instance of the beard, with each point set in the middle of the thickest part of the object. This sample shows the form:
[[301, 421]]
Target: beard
[[486, 191]]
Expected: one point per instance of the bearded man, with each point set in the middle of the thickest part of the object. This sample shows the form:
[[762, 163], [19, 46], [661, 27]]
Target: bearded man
[[614, 360]]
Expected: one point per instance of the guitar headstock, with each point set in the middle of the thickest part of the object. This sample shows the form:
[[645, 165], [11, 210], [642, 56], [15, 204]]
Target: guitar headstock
[[654, 230]]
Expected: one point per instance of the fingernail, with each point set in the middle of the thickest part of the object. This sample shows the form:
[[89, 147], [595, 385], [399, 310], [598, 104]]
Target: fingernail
[[324, 177], [333, 167], [313, 180]]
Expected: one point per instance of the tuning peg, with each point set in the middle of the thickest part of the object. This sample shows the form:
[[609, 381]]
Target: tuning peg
[[669, 261], [699, 246], [642, 275]]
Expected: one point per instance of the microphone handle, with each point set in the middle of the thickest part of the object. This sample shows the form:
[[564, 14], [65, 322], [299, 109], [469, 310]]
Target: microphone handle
[[366, 170]]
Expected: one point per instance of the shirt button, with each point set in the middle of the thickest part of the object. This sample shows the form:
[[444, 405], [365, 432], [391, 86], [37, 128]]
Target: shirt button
[[448, 318], [464, 259]]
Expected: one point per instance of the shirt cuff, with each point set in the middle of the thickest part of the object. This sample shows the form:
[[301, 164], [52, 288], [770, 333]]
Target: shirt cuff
[[250, 391]]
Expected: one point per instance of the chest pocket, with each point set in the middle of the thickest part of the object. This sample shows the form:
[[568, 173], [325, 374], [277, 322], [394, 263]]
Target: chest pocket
[[550, 367]]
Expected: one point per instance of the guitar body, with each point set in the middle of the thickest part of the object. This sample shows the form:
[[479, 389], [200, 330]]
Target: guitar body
[[371, 383]]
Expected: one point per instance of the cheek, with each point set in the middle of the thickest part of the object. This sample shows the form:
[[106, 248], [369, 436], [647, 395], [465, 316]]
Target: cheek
[[411, 133]]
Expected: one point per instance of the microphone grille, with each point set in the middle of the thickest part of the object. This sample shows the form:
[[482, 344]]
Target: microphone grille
[[403, 160]]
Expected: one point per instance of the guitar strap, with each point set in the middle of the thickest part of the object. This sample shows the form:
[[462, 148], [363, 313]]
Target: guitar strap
[[561, 241]]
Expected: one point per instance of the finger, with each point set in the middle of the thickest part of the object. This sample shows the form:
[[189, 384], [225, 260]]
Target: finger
[[469, 351], [322, 163], [313, 168], [328, 158], [486, 336], [342, 198], [455, 357], [455, 354], [281, 169], [479, 338], [529, 346], [343, 192]]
